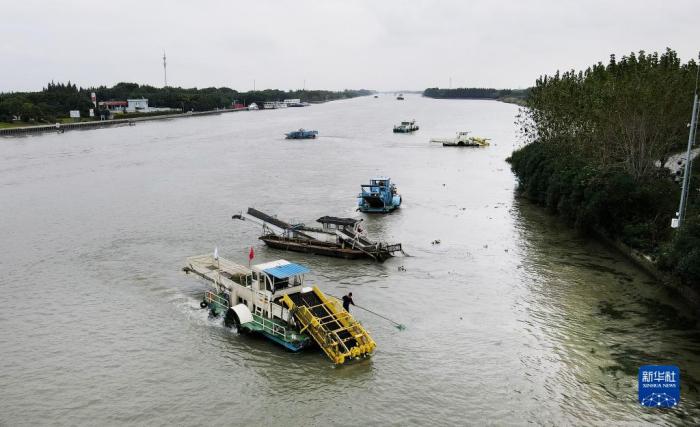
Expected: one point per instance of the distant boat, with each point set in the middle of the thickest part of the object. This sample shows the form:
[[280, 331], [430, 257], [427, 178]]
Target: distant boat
[[271, 105], [253, 106], [295, 103], [406, 127], [376, 96], [462, 140], [302, 134], [400, 97]]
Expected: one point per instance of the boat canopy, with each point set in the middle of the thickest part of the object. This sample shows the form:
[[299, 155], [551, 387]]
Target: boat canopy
[[287, 270], [337, 221]]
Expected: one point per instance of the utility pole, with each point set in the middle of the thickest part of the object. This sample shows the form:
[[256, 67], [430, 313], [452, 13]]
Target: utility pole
[[450, 82], [680, 215], [165, 72]]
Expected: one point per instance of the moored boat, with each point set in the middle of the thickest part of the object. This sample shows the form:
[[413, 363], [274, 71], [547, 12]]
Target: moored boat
[[400, 97], [379, 196], [272, 299], [295, 103], [406, 127]]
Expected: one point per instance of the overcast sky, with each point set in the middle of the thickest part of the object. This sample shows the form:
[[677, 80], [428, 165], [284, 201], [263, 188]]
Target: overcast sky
[[375, 44]]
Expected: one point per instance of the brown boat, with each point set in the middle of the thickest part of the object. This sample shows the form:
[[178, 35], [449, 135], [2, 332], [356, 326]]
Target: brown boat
[[337, 237]]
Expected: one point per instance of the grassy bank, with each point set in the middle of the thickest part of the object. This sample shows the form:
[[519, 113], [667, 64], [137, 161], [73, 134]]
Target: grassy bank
[[595, 140]]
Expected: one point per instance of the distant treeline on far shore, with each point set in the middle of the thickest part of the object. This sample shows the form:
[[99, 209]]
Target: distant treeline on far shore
[[516, 96], [56, 100]]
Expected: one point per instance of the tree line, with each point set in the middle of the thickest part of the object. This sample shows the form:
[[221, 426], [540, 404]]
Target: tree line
[[596, 141], [56, 99], [474, 93]]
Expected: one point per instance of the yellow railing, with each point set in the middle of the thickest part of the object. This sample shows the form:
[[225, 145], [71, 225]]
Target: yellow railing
[[357, 342]]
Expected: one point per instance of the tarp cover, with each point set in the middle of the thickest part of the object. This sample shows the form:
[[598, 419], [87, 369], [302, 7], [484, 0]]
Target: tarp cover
[[287, 270]]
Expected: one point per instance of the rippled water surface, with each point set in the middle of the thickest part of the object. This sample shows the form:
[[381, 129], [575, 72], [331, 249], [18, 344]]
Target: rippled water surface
[[510, 319]]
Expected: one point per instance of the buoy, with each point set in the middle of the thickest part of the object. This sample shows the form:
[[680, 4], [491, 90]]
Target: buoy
[[203, 304]]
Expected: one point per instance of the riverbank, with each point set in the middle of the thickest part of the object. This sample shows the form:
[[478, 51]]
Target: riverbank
[[62, 127], [647, 263], [608, 168]]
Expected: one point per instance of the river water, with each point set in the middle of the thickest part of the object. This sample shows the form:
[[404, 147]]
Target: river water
[[510, 319]]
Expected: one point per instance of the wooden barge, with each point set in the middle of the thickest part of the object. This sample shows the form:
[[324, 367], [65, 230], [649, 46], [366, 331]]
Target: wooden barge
[[337, 237]]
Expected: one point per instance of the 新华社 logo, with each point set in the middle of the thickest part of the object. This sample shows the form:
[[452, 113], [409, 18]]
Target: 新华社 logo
[[659, 386]]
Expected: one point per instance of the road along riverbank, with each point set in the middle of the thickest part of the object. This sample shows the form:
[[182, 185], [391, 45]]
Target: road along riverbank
[[62, 127]]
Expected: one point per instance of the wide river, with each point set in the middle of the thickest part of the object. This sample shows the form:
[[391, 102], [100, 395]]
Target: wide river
[[510, 319]]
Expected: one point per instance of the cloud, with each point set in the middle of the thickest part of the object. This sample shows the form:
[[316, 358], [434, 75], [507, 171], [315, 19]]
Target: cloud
[[332, 44]]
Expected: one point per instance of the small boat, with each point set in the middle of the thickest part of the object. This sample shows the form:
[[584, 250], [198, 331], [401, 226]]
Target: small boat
[[272, 299], [400, 97], [379, 196], [406, 127], [253, 106], [295, 103], [462, 140], [301, 134], [272, 105], [338, 237]]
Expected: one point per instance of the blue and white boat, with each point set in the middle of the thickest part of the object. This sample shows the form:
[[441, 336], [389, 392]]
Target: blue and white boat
[[302, 134], [379, 196]]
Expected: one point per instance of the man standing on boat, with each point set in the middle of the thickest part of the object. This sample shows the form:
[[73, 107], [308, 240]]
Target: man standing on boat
[[347, 300]]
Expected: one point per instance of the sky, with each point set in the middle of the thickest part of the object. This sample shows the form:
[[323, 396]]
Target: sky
[[329, 44]]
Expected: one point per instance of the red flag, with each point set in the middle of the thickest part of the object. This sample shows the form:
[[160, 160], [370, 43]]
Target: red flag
[[251, 255]]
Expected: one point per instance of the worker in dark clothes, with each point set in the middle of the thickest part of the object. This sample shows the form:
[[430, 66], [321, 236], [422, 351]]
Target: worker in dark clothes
[[347, 300]]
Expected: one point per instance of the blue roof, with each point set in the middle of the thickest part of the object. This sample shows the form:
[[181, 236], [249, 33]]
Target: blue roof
[[287, 270]]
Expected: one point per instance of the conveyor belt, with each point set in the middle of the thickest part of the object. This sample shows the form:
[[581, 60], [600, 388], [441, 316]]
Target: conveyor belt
[[338, 334], [267, 218], [358, 238], [262, 216]]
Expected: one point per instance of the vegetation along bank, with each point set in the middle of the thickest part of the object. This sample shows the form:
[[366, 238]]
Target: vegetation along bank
[[514, 96], [56, 100], [596, 145]]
